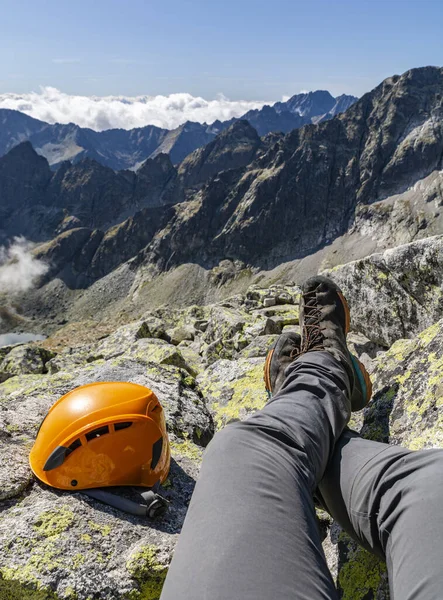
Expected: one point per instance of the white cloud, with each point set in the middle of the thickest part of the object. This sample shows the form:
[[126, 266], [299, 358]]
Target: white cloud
[[107, 112], [19, 269]]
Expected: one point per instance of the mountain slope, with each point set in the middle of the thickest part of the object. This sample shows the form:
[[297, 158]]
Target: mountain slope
[[260, 202], [16, 127], [234, 148], [40, 204], [304, 191]]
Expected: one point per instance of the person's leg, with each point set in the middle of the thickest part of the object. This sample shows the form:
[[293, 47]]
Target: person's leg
[[390, 499], [250, 531]]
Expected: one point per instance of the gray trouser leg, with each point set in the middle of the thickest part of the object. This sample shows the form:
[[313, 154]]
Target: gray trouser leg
[[250, 532], [391, 501]]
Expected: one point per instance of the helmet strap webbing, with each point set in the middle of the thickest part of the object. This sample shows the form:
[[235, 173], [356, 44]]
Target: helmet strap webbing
[[154, 505]]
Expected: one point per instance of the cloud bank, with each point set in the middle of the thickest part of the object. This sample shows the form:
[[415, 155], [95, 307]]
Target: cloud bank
[[107, 112], [19, 270]]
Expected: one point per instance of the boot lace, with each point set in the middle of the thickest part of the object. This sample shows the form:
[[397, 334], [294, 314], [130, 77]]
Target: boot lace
[[296, 351], [312, 335]]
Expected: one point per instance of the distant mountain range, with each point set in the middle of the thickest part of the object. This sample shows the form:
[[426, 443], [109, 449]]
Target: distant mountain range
[[128, 149]]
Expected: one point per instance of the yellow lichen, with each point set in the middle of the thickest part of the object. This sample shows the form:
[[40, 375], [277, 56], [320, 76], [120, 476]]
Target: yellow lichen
[[430, 333], [401, 379], [361, 575], [105, 530], [148, 572], [41, 559], [399, 350], [248, 395], [77, 560], [14, 590], [52, 523], [186, 448]]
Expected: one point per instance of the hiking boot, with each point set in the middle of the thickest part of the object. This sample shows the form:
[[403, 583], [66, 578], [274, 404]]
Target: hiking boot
[[325, 322], [281, 354], [287, 349]]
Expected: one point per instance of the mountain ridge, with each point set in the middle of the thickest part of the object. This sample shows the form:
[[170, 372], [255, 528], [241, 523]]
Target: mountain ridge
[[127, 149]]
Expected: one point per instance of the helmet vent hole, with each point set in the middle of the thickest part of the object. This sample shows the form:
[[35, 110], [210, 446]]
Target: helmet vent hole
[[157, 448], [95, 433], [76, 444], [74, 482], [124, 425]]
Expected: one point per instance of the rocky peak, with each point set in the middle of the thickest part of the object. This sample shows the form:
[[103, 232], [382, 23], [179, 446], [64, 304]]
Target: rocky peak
[[90, 191], [23, 153], [24, 176], [16, 127], [314, 106], [183, 140], [88, 172], [160, 164], [342, 103], [233, 148], [217, 126], [269, 120], [156, 182], [312, 103]]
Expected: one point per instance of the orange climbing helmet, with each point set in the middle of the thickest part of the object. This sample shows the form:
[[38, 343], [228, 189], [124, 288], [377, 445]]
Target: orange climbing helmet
[[101, 435]]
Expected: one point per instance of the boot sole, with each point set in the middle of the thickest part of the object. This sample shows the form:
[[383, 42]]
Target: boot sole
[[273, 351], [347, 312], [267, 370], [365, 384]]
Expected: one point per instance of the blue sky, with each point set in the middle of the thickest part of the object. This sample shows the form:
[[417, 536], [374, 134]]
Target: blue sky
[[245, 49]]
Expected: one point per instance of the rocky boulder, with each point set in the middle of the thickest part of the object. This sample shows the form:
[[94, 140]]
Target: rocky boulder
[[397, 293], [23, 359], [233, 389]]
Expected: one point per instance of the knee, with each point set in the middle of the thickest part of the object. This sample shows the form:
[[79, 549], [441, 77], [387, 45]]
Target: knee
[[232, 441], [420, 479], [429, 474], [230, 435]]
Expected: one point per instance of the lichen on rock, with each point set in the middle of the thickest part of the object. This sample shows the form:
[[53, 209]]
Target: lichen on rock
[[69, 547], [149, 572], [233, 389], [361, 574]]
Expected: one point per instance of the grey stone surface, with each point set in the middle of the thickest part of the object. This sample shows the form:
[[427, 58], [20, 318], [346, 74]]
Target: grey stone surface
[[397, 293]]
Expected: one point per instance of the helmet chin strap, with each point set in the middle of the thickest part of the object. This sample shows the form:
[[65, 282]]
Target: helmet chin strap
[[153, 506]]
